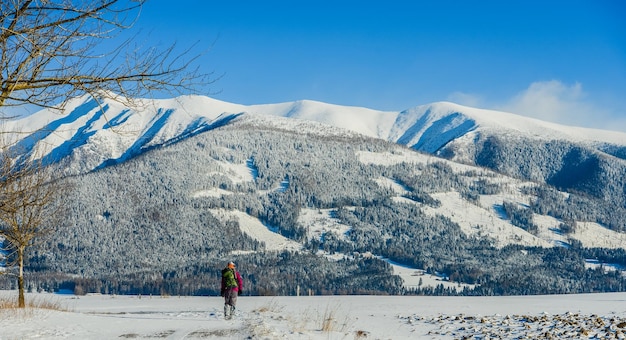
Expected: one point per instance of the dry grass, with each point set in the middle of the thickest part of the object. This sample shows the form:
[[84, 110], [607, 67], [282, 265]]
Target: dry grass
[[260, 328], [6, 303], [329, 321], [10, 305], [299, 323], [271, 306]]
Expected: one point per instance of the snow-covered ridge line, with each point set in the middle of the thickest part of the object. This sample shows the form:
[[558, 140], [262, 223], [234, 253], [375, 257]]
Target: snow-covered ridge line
[[113, 132]]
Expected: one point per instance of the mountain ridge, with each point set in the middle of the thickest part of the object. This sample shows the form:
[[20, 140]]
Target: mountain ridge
[[426, 128]]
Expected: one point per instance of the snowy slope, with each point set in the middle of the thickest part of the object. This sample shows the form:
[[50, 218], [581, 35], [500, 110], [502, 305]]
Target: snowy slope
[[98, 134], [106, 132], [485, 220], [582, 316], [90, 135], [430, 127]]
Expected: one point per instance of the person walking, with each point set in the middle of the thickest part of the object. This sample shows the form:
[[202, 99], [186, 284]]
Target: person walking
[[232, 286]]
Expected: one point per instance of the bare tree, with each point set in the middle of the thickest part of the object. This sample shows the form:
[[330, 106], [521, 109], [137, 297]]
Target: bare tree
[[28, 211], [51, 50]]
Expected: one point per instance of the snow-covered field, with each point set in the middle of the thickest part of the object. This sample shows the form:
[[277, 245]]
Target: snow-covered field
[[596, 316]]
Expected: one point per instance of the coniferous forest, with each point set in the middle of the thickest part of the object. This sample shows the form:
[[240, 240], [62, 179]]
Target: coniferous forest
[[152, 224]]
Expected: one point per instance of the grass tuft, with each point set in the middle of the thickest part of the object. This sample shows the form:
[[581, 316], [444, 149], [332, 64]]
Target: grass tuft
[[271, 306], [42, 303], [330, 323]]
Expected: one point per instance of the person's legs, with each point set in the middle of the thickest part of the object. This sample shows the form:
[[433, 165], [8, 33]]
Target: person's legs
[[228, 301], [233, 301]]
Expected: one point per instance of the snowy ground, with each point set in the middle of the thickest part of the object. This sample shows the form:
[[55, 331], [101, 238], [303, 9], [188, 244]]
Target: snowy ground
[[595, 316]]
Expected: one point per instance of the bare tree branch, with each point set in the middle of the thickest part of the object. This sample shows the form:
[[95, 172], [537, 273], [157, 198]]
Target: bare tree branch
[[51, 51]]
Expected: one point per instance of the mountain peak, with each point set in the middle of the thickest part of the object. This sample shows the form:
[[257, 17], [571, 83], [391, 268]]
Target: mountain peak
[[444, 121]]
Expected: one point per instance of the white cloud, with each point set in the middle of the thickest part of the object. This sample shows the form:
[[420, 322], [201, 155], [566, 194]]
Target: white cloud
[[552, 101], [465, 99]]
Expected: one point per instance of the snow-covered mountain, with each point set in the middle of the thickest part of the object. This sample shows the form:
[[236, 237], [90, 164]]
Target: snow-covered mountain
[[296, 184], [90, 135], [439, 123], [106, 132]]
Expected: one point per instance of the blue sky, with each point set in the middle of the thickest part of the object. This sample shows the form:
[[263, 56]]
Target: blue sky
[[561, 61]]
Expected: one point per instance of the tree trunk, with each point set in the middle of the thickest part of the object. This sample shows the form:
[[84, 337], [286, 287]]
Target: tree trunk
[[20, 278]]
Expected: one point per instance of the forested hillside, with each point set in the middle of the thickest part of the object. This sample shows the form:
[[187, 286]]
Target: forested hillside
[[596, 171], [163, 222]]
